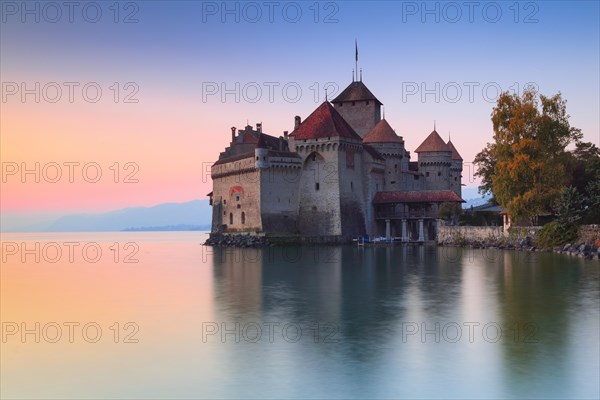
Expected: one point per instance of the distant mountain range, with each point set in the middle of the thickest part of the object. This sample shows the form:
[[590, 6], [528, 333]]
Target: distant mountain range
[[473, 198], [192, 215]]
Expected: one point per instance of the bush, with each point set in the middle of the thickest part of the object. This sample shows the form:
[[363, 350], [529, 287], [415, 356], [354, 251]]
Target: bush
[[556, 234]]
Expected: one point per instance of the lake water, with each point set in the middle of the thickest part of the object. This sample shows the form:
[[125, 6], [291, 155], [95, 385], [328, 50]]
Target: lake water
[[157, 315]]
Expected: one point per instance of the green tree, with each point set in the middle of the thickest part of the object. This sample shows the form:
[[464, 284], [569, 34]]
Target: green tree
[[449, 210], [525, 165], [584, 166], [570, 207], [592, 215], [486, 162]]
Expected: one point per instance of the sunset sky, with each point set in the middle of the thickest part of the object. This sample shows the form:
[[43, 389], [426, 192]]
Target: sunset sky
[[175, 58]]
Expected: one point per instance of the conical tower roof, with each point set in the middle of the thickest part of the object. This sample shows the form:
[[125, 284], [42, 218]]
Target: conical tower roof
[[455, 154], [262, 144], [356, 91], [382, 133], [433, 143]]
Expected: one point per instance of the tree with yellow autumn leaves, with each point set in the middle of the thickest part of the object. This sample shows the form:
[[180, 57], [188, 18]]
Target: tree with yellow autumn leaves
[[527, 167]]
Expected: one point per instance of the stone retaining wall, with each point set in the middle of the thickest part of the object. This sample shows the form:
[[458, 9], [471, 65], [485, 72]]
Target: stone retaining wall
[[469, 233]]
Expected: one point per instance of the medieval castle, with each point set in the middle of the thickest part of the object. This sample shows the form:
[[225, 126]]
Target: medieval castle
[[342, 172]]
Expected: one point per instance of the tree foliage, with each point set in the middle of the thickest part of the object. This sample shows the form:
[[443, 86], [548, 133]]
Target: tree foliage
[[525, 166], [592, 214], [570, 208], [486, 162], [449, 210]]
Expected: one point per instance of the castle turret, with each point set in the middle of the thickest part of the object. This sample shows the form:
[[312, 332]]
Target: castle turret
[[435, 160], [261, 153], [391, 146]]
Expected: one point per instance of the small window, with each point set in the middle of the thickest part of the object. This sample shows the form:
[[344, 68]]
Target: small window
[[341, 104], [416, 177], [317, 186], [377, 187], [426, 173], [351, 186], [224, 201], [239, 206], [367, 102], [392, 182], [439, 174], [230, 218], [265, 158], [257, 158], [243, 217], [455, 180], [237, 198], [353, 103]]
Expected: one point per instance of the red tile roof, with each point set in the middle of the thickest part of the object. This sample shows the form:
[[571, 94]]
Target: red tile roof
[[429, 196], [356, 91], [324, 122], [382, 133], [433, 143], [248, 137], [455, 155]]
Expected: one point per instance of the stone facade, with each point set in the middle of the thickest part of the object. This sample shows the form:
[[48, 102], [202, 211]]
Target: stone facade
[[342, 172]]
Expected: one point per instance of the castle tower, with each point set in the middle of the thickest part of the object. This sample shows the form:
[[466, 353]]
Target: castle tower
[[455, 170], [391, 146], [331, 190], [435, 160], [359, 107]]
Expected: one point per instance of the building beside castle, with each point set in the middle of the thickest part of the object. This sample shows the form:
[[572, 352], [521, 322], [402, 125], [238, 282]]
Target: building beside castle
[[341, 172]]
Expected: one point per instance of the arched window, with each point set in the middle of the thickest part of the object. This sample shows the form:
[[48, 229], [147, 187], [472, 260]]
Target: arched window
[[243, 217], [230, 218]]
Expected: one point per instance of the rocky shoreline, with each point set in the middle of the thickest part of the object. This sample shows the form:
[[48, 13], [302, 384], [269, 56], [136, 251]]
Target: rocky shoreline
[[237, 240], [583, 250]]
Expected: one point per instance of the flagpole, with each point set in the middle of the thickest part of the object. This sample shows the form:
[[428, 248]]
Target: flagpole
[[356, 55]]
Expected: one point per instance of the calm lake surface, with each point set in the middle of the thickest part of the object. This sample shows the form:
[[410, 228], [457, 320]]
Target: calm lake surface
[[157, 315]]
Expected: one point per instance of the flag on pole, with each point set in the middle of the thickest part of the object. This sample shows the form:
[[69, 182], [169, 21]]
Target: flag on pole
[[356, 46]]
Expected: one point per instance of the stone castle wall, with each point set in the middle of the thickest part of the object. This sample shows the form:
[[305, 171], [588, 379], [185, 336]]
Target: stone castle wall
[[352, 189], [236, 188], [279, 189], [437, 166], [319, 203]]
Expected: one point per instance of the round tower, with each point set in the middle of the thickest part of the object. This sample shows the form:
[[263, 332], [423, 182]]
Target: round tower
[[261, 154]]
